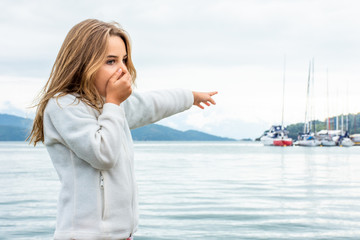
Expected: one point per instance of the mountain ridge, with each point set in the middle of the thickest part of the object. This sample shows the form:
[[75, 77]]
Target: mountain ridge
[[15, 128]]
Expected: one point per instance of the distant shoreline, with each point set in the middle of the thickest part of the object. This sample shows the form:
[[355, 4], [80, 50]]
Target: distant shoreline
[[14, 128]]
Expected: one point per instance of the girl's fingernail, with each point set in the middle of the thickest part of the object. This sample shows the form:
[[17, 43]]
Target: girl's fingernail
[[119, 71]]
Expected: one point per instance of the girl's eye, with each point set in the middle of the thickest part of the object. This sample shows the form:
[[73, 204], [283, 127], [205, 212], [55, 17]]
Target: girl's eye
[[124, 60], [110, 62]]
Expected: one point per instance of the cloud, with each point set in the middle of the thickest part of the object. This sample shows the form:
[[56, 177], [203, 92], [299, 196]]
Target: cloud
[[202, 32], [8, 108], [18, 93]]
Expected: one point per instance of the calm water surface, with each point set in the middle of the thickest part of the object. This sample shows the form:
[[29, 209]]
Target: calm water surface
[[202, 190]]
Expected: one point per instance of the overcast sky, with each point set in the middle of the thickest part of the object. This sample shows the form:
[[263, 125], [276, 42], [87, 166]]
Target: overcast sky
[[235, 47]]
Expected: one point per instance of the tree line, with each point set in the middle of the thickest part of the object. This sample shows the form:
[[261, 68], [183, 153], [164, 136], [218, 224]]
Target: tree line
[[353, 124]]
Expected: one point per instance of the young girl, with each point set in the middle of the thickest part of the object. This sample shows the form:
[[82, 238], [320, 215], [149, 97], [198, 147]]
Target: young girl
[[84, 116]]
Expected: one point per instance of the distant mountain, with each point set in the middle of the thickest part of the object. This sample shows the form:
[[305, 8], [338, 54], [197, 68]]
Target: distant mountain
[[13, 128], [15, 121], [155, 132]]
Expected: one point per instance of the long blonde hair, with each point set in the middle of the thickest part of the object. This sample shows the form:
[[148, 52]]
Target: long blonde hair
[[80, 57]]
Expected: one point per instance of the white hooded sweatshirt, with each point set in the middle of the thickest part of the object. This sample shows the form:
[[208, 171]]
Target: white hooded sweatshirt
[[92, 153]]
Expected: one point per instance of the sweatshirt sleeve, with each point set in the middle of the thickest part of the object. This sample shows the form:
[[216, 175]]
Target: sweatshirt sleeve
[[95, 140], [148, 107]]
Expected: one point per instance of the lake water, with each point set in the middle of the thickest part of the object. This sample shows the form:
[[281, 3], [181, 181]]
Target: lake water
[[204, 190]]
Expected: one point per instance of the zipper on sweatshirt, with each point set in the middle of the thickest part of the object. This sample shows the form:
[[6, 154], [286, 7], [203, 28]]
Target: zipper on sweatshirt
[[101, 181], [133, 190], [102, 193]]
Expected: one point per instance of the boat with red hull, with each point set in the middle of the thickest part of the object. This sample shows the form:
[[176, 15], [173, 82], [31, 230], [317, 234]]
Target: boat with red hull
[[283, 142], [277, 135]]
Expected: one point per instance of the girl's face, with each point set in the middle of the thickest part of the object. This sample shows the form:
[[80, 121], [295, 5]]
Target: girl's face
[[115, 58]]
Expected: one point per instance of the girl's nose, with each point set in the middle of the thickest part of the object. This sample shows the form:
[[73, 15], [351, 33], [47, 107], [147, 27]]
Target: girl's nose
[[123, 67]]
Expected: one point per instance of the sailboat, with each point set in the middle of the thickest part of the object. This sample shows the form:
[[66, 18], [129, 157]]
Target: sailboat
[[345, 139], [328, 137], [308, 138], [277, 135]]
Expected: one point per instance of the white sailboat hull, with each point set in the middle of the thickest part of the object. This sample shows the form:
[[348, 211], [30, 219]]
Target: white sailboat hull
[[328, 143], [308, 143], [346, 142], [267, 141]]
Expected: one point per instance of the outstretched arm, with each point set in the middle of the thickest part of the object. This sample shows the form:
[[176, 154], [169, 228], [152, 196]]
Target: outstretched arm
[[203, 97], [151, 106], [148, 107]]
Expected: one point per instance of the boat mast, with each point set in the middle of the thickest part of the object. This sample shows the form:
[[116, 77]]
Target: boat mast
[[347, 106], [337, 109], [327, 96], [307, 101], [337, 120], [342, 118], [313, 123], [283, 97]]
